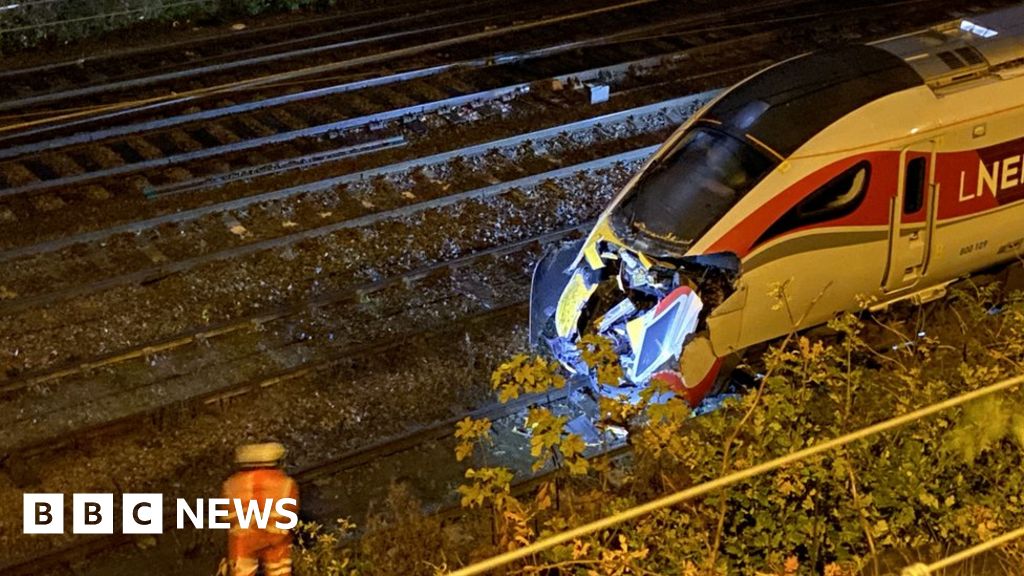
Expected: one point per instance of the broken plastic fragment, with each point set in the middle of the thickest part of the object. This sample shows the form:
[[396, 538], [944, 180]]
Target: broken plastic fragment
[[618, 312], [658, 335], [574, 298]]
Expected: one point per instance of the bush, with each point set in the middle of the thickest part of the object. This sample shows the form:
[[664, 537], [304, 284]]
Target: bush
[[43, 22], [939, 484]]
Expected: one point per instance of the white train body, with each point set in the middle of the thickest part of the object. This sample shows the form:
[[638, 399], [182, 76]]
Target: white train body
[[879, 172]]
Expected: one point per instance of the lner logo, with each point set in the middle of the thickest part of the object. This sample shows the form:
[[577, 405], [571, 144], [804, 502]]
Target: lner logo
[[144, 513]]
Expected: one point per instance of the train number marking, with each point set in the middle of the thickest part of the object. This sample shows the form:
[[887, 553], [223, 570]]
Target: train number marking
[[976, 247], [1014, 246]]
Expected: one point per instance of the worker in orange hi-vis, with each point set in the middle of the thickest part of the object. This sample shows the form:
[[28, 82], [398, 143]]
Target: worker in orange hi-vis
[[260, 478]]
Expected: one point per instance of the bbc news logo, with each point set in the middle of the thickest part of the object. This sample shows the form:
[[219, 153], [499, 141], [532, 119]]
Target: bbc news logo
[[144, 513]]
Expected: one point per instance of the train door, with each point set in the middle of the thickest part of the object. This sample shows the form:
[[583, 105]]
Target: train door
[[912, 217]]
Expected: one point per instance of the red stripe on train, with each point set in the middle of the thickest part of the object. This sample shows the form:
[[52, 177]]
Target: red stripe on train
[[956, 174]]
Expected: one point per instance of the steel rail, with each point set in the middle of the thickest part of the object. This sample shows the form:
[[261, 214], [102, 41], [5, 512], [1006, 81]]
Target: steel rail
[[310, 474], [161, 271], [86, 546], [14, 151], [312, 131], [30, 445], [234, 64], [217, 36], [404, 442], [377, 80], [383, 80], [362, 60], [275, 168], [505, 92], [329, 183], [538, 136]]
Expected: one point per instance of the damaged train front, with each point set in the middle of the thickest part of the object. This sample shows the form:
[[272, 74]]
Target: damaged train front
[[636, 279], [652, 310]]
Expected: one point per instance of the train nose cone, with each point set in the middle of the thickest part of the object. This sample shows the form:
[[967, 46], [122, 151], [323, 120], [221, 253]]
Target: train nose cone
[[550, 278]]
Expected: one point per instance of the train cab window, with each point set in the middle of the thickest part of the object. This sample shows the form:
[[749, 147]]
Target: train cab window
[[701, 177], [838, 197], [913, 185]]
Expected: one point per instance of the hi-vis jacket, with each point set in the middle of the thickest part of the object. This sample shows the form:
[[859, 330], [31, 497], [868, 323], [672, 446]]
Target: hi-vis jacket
[[266, 486]]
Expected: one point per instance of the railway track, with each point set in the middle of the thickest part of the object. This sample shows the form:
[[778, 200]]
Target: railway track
[[545, 182], [434, 438], [92, 206], [470, 175], [558, 182], [464, 36], [234, 358], [212, 143], [335, 481], [112, 68], [199, 151], [284, 327], [331, 480], [282, 343], [152, 274], [165, 253], [362, 200], [193, 167], [152, 252], [497, 319], [403, 31]]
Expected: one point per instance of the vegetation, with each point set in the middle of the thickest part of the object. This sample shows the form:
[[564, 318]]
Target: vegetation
[[937, 485], [31, 23]]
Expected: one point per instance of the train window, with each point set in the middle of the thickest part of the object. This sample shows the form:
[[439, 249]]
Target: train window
[[704, 174], [913, 185], [836, 198]]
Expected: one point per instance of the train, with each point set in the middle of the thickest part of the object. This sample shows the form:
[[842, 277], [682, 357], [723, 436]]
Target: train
[[865, 174]]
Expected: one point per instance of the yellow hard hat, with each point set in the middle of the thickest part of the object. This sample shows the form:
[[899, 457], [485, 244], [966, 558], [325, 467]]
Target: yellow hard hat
[[259, 454]]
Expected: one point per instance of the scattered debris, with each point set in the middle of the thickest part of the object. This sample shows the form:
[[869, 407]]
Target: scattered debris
[[598, 93]]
